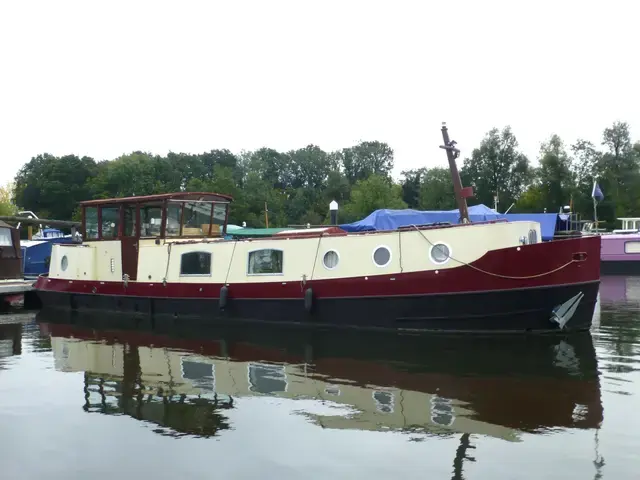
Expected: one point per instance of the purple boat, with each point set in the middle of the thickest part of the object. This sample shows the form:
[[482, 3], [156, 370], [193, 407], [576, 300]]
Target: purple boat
[[620, 250]]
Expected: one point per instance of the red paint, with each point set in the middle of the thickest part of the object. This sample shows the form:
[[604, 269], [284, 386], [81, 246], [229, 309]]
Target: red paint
[[528, 261], [466, 192]]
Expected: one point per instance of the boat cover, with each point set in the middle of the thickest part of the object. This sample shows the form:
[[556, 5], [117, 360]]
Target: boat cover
[[386, 219]]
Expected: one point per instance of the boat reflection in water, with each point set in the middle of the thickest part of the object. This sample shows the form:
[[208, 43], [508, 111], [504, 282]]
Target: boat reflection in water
[[619, 289], [183, 380], [10, 339]]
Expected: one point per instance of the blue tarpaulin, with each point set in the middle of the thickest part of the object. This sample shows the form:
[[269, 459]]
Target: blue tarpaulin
[[393, 219]]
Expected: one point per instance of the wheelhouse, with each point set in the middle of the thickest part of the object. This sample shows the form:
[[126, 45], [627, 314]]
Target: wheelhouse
[[165, 216]]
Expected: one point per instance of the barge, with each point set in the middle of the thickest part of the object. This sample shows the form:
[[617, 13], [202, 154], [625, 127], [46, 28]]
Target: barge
[[166, 256]]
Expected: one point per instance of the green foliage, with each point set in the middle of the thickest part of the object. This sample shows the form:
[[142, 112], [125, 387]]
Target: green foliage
[[297, 186], [371, 194], [497, 167], [51, 186], [7, 207]]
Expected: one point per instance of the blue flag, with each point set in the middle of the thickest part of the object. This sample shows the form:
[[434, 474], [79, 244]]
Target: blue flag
[[597, 193]]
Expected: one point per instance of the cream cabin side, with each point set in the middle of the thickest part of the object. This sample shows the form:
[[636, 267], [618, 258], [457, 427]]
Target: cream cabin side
[[89, 261], [329, 257]]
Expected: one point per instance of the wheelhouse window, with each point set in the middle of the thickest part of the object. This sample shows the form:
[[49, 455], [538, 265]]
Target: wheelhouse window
[[150, 219], [91, 223], [174, 217], [5, 237], [181, 214], [265, 262], [197, 219], [219, 218], [195, 263], [110, 222]]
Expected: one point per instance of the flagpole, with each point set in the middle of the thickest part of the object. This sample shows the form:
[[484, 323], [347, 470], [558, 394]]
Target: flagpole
[[595, 203]]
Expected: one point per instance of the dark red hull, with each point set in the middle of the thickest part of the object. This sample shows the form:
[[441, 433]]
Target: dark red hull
[[505, 290]]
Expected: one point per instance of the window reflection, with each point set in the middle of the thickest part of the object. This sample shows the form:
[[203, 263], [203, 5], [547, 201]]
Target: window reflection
[[442, 411], [265, 378], [91, 222], [197, 217], [174, 214], [110, 222]]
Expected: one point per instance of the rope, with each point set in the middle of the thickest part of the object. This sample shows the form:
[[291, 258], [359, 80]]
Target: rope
[[166, 272], [315, 260], [230, 262], [400, 249], [508, 277]]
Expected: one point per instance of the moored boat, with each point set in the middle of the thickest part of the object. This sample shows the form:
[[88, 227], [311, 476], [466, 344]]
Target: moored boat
[[12, 284], [166, 256]]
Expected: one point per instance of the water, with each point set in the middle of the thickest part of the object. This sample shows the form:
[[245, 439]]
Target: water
[[100, 398]]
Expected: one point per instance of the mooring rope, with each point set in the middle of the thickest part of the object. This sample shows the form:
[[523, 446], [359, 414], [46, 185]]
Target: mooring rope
[[315, 260], [400, 249], [230, 261], [166, 272], [508, 277]]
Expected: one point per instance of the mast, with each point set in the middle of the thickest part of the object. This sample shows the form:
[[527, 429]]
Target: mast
[[460, 193]]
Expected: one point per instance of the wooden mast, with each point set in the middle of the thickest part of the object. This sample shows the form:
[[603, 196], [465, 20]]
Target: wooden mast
[[460, 193]]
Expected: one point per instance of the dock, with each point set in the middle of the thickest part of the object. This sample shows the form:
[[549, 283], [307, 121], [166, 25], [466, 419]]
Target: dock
[[15, 287]]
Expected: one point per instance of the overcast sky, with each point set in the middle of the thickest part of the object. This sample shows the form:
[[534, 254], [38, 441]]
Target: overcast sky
[[106, 78]]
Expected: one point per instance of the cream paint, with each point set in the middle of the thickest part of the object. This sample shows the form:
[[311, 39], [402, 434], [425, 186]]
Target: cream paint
[[410, 252], [160, 367]]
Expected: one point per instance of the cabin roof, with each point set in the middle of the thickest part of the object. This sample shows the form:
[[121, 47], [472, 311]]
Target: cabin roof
[[6, 225], [209, 196]]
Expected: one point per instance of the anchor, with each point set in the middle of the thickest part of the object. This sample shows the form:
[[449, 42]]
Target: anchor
[[561, 314]]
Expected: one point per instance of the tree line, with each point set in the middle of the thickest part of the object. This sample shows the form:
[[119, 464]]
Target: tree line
[[297, 186]]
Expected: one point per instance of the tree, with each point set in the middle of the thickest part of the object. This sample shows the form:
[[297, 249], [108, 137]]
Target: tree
[[554, 175], [584, 167], [374, 193], [497, 167], [411, 186], [366, 159], [51, 187], [6, 205], [436, 190]]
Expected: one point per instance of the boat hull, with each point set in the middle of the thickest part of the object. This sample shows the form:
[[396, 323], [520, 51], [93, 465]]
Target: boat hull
[[515, 289], [620, 267], [513, 310]]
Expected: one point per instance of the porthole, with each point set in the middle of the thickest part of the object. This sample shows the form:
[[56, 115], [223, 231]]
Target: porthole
[[382, 256], [64, 263], [331, 260], [440, 253]]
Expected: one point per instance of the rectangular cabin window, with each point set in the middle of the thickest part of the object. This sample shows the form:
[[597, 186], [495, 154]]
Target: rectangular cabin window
[[195, 263], [151, 220], [174, 215], [219, 217], [129, 221], [5, 237], [197, 217], [91, 223], [265, 262], [110, 222]]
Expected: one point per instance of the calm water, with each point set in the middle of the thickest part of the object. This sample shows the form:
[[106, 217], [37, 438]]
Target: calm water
[[97, 399]]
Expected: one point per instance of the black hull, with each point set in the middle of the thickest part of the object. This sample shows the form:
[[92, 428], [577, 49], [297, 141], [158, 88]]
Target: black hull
[[623, 267], [504, 311]]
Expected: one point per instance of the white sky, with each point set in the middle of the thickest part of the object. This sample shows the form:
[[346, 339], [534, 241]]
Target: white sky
[[106, 78]]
